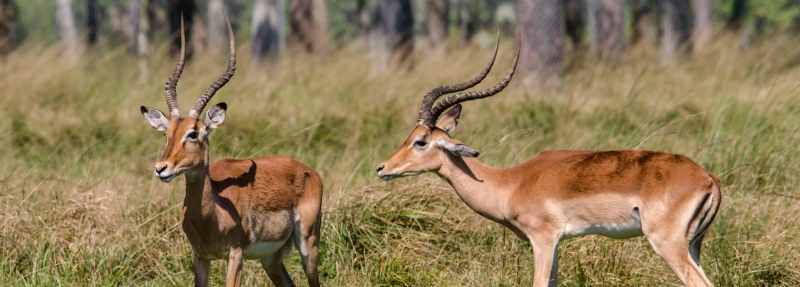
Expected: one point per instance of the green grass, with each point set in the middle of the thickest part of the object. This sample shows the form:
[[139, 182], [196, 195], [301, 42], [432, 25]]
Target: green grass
[[80, 205]]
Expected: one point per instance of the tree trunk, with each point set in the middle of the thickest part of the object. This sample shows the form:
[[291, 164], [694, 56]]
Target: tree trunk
[[92, 23], [737, 21], [643, 28], [142, 41], [309, 22], [8, 17], [437, 22], [675, 28], [610, 30], [542, 55], [216, 28], [176, 8], [269, 38], [391, 31], [66, 28], [573, 17], [702, 24]]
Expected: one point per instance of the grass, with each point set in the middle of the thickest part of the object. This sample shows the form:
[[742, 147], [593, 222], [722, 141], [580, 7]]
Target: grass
[[80, 205]]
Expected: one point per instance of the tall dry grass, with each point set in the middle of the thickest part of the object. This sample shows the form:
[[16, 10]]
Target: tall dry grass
[[81, 207]]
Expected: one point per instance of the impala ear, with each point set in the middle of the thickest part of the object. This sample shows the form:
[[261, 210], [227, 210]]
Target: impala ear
[[214, 117], [157, 119], [459, 149], [449, 121]]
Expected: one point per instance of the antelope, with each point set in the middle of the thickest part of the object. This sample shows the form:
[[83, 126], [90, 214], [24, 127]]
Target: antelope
[[561, 194], [237, 209]]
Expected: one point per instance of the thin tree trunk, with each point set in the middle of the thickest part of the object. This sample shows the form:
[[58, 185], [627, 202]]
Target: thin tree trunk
[[66, 28], [176, 8], [217, 29], [92, 22], [269, 38], [437, 22], [702, 24], [542, 55], [8, 17], [574, 22], [737, 21], [142, 41], [675, 28], [591, 23], [643, 28], [309, 22], [610, 31], [391, 32]]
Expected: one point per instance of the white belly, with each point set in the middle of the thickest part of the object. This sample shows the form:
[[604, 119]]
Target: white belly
[[623, 230], [262, 249]]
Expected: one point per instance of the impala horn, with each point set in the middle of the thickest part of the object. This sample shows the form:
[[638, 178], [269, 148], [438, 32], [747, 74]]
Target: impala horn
[[201, 103], [171, 94], [426, 117], [443, 105]]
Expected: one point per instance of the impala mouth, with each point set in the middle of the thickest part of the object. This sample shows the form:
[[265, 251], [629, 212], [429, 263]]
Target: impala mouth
[[167, 178], [386, 177]]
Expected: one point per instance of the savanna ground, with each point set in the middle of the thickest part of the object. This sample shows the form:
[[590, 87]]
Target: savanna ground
[[80, 205]]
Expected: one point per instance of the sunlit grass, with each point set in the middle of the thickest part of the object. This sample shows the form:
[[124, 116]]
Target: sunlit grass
[[81, 207]]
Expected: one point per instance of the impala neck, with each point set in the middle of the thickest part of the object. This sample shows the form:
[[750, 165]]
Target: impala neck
[[480, 186], [199, 200]]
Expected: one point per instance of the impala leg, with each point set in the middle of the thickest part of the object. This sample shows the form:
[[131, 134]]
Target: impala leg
[[234, 276], [275, 269], [694, 251], [673, 249], [307, 241], [545, 254], [202, 270]]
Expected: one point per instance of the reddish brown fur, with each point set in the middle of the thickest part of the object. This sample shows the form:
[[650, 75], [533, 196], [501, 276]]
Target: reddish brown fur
[[234, 203], [560, 194]]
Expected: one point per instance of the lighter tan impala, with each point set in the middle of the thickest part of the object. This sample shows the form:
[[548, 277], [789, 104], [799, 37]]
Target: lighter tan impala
[[237, 209], [562, 194]]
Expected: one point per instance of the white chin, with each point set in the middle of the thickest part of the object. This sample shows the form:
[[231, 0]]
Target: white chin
[[167, 179], [387, 177]]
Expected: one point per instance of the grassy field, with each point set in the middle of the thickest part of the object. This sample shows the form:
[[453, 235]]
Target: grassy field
[[80, 205]]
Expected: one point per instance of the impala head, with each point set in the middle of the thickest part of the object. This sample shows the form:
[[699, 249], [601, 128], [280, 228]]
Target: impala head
[[429, 143], [187, 138]]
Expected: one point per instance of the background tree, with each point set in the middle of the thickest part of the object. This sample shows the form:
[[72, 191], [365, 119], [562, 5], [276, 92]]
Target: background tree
[[268, 29], [675, 27], [437, 22], [67, 31], [542, 56], [309, 22], [176, 8], [391, 31], [701, 36], [217, 30], [610, 33], [92, 22], [574, 22], [8, 19], [643, 28], [737, 21]]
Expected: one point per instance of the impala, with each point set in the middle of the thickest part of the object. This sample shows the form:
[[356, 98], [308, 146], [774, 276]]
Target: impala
[[237, 209], [561, 194]]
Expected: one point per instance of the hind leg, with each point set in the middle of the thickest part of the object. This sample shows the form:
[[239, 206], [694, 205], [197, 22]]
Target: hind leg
[[307, 241], [694, 251], [673, 249], [275, 269]]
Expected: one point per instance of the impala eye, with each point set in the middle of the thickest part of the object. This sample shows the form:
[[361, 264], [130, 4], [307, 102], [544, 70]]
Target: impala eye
[[192, 135], [420, 143]]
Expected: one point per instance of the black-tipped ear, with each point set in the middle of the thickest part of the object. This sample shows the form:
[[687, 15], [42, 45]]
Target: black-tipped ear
[[215, 116], [449, 121], [461, 150], [156, 118]]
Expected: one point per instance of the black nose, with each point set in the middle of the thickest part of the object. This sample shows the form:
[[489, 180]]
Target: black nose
[[380, 168], [159, 170]]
